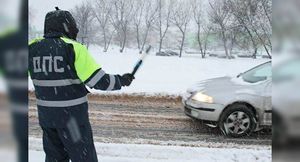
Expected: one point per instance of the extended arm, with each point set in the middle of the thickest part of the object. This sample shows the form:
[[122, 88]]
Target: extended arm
[[92, 74], [102, 81]]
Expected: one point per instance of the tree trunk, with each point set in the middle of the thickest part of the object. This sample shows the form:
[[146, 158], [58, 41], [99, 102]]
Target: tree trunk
[[233, 37], [206, 41], [254, 53], [160, 45], [225, 44], [266, 49], [145, 40], [182, 43], [138, 37], [205, 48], [162, 35], [199, 42], [183, 39], [105, 40], [108, 43], [253, 42], [123, 43], [262, 42]]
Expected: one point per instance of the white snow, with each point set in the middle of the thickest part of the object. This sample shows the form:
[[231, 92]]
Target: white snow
[[167, 75], [110, 152]]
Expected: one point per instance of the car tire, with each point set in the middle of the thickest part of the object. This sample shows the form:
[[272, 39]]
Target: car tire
[[237, 120]]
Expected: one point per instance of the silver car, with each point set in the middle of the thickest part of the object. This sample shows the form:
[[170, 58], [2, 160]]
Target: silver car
[[237, 105]]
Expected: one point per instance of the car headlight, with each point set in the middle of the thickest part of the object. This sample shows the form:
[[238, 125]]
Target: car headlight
[[202, 97]]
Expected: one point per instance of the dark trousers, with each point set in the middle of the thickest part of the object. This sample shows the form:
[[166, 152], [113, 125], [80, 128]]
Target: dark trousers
[[73, 143]]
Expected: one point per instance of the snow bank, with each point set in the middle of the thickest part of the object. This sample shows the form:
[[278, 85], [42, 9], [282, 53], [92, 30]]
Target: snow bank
[[154, 153], [167, 75]]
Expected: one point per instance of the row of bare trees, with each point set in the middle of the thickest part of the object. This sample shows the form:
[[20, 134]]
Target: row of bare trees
[[232, 23], [249, 19]]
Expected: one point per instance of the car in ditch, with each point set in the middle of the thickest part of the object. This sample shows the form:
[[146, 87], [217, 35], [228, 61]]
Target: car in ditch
[[237, 105]]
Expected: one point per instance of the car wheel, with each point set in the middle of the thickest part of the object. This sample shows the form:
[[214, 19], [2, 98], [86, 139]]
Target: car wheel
[[237, 121]]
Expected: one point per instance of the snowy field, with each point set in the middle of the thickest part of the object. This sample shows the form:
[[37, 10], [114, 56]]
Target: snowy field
[[154, 153], [167, 75]]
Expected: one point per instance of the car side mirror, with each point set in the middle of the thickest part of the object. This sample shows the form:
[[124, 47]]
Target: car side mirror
[[239, 75]]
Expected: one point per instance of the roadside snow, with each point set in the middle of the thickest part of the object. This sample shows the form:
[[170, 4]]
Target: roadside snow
[[110, 152], [167, 75]]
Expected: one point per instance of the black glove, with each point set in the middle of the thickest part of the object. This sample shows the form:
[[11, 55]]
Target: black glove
[[126, 79]]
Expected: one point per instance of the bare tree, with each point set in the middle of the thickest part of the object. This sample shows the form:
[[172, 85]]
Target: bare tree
[[203, 29], [181, 17], [232, 37], [120, 19], [139, 9], [220, 15], [150, 15], [145, 14], [241, 11], [102, 11], [241, 24], [254, 21], [163, 21], [266, 23], [84, 17]]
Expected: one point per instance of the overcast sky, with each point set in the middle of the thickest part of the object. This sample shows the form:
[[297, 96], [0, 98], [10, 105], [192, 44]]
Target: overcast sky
[[39, 9]]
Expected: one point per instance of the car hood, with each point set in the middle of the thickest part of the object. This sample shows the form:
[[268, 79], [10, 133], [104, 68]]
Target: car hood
[[222, 84]]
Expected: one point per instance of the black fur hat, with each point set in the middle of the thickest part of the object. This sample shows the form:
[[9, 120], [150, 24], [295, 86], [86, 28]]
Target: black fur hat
[[60, 22]]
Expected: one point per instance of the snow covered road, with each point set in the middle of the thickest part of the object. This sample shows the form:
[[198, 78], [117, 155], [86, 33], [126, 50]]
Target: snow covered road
[[109, 152], [145, 123]]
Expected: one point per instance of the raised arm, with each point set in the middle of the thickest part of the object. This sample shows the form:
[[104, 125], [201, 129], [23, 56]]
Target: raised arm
[[92, 74]]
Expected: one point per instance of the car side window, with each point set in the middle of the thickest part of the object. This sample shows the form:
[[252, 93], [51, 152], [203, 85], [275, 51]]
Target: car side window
[[264, 72], [259, 73]]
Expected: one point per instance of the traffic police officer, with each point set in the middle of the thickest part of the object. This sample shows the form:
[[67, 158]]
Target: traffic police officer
[[60, 68]]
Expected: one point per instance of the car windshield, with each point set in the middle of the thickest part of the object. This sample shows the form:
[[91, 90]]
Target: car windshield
[[257, 74]]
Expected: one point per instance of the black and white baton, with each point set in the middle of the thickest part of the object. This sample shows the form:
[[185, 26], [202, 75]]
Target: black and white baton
[[140, 62]]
